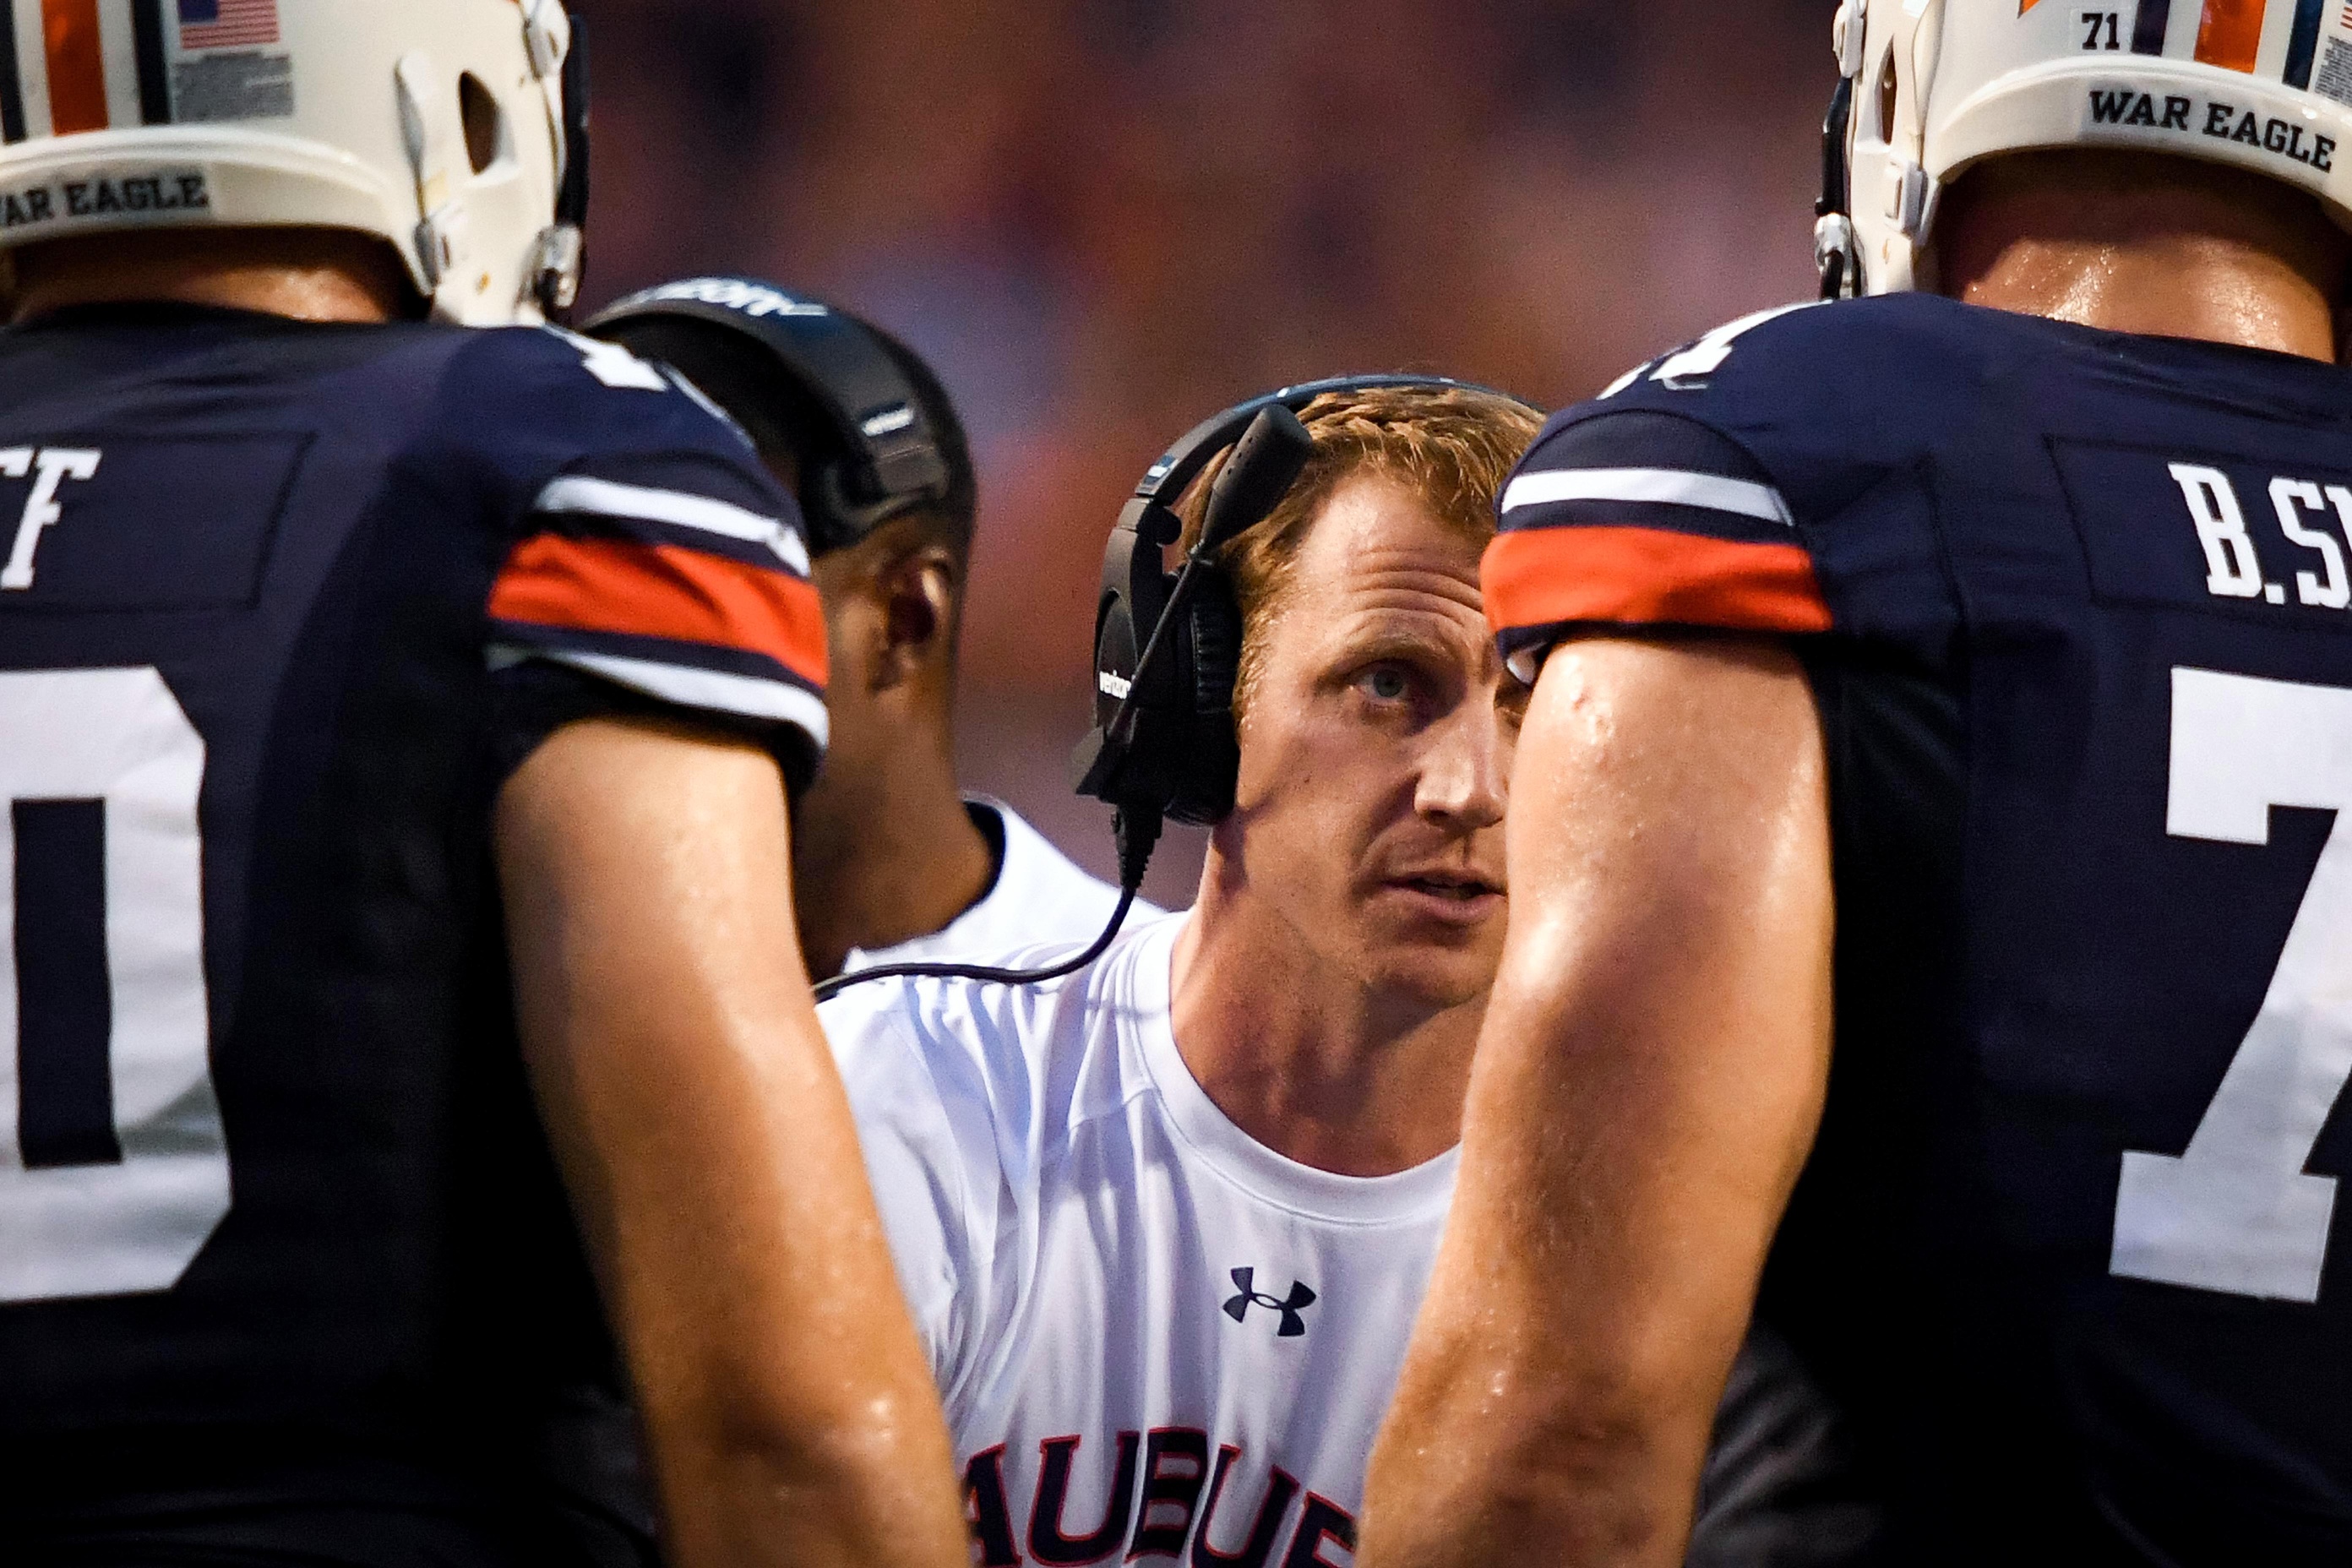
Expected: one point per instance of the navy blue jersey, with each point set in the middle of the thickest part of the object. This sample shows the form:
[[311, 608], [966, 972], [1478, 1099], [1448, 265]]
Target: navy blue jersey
[[281, 607], [2077, 612]]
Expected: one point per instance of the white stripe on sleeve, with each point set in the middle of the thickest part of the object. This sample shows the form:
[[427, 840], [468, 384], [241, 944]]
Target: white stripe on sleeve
[[713, 690], [604, 497], [1671, 486]]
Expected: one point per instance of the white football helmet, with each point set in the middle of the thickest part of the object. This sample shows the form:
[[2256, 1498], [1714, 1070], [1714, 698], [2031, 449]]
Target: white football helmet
[[350, 114], [1933, 86]]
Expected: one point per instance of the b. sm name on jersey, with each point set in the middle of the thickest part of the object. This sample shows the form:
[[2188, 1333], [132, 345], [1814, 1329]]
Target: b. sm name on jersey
[[2233, 565]]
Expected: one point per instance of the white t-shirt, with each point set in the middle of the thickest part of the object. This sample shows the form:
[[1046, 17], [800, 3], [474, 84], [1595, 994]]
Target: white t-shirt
[[1145, 1324], [1040, 897]]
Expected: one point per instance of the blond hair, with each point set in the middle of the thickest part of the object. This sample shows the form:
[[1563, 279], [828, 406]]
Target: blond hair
[[1450, 447]]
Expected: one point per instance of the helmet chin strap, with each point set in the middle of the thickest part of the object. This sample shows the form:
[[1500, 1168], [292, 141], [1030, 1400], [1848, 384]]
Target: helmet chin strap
[[1835, 254], [1909, 192], [562, 253], [1912, 193], [424, 133]]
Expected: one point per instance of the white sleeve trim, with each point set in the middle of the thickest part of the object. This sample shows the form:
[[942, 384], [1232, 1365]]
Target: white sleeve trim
[[1671, 487], [606, 498], [712, 691]]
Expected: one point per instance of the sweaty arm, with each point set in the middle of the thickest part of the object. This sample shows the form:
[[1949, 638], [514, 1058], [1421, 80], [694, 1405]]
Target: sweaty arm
[[1648, 1088], [707, 1146]]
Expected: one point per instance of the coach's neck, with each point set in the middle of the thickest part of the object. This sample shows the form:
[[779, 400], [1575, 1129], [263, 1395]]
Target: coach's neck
[[2166, 246], [1329, 1068]]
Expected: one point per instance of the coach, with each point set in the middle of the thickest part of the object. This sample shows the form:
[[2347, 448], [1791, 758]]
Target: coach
[[1165, 1224]]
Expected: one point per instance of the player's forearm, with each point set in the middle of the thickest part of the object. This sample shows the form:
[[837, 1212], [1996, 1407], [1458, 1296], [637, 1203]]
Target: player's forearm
[[709, 1149], [1556, 1403], [1645, 1091], [1536, 1421], [816, 1440], [824, 1444], [785, 1397]]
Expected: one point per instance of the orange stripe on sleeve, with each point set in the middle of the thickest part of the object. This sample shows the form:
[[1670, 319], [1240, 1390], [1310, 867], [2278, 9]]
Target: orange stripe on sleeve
[[661, 591], [77, 61], [1640, 575]]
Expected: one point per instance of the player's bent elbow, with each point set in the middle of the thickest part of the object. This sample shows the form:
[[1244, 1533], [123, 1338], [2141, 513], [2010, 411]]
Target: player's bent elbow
[[1569, 1494], [841, 1432], [862, 1478]]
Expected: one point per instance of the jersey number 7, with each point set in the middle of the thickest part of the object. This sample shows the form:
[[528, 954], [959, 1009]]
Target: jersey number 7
[[114, 1163], [2236, 1210]]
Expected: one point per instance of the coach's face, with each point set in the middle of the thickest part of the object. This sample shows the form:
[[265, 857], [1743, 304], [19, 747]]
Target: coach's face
[[1376, 752]]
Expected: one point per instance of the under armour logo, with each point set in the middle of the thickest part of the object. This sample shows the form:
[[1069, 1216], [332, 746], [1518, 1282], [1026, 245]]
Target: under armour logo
[[1293, 1324]]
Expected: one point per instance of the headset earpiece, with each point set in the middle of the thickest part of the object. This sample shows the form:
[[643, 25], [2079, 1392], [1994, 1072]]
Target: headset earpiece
[[1216, 647], [1215, 661]]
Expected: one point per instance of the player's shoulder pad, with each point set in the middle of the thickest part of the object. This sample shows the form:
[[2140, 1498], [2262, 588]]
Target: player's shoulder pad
[[1796, 409], [1813, 363], [650, 547], [1687, 493], [542, 401]]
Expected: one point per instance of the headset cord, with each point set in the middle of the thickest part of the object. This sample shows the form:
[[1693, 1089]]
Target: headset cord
[[1137, 837]]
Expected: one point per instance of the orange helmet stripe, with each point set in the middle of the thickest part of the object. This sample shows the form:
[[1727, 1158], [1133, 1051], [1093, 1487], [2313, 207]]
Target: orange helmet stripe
[[2230, 33], [77, 58]]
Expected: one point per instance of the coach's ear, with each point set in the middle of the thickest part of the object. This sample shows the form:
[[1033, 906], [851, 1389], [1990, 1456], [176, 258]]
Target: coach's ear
[[901, 590], [918, 593], [891, 603]]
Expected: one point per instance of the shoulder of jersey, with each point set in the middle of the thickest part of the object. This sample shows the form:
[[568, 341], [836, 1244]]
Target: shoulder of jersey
[[1853, 372], [1035, 1061], [1764, 418], [586, 428], [546, 381], [1685, 494], [952, 1038], [653, 549]]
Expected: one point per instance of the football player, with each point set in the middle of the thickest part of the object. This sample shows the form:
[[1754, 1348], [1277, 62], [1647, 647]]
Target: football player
[[1165, 1224], [860, 430], [395, 727], [1928, 846]]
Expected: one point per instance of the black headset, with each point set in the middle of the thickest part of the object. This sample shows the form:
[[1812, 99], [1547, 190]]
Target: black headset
[[1835, 252], [557, 285], [774, 362]]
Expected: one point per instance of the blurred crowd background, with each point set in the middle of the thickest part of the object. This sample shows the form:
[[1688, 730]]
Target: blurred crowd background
[[1104, 220]]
